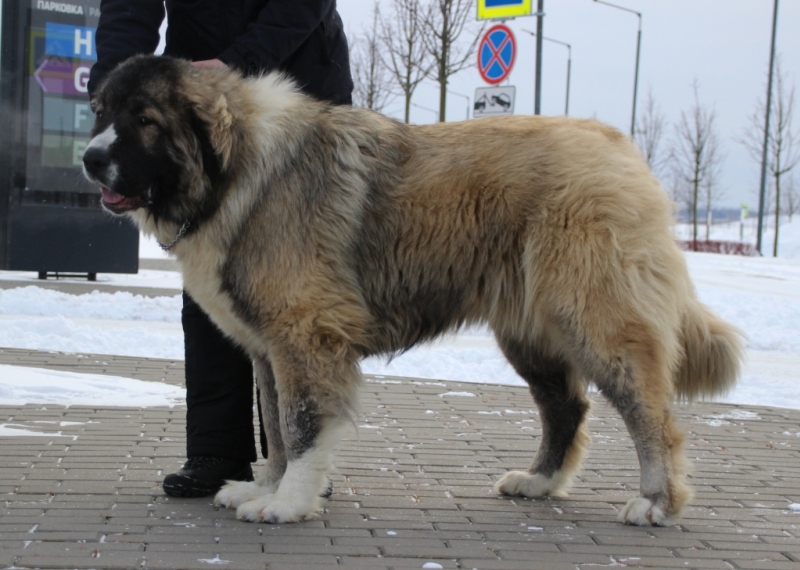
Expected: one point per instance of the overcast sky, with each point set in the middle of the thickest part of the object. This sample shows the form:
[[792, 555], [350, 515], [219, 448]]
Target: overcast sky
[[724, 44]]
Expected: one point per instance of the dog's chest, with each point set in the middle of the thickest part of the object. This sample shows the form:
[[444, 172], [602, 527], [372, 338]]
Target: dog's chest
[[202, 279]]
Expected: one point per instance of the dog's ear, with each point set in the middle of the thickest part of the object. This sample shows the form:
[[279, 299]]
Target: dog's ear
[[203, 91], [217, 120]]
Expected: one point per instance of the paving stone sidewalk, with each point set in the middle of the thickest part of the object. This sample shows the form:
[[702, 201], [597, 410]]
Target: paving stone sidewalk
[[412, 489]]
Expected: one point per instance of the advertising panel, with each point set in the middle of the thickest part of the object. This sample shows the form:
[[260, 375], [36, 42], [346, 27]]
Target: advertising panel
[[51, 220], [60, 53]]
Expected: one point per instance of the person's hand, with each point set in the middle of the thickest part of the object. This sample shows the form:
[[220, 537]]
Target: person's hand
[[209, 63]]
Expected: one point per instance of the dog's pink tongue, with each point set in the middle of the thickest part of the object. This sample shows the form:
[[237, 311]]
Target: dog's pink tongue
[[111, 197]]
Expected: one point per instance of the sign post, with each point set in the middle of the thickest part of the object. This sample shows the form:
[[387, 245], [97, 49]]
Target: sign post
[[503, 9], [497, 100], [50, 217], [497, 51]]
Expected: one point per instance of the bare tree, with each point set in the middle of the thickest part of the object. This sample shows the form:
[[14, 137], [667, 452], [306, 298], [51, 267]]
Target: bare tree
[[405, 54], [649, 134], [696, 157], [783, 146], [371, 79], [711, 193], [681, 192], [445, 21], [769, 197], [792, 197]]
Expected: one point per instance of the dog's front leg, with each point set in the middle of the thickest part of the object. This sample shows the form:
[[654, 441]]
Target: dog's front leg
[[314, 394], [236, 493]]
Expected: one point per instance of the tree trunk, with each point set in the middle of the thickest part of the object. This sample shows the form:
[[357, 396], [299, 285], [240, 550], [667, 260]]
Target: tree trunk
[[777, 214], [443, 68], [443, 99], [694, 209]]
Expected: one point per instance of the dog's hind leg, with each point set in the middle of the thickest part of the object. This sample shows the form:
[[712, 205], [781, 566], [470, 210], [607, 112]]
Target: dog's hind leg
[[638, 387], [563, 407], [236, 493]]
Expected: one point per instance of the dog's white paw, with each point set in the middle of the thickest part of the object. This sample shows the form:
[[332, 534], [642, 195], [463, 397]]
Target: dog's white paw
[[643, 512], [236, 493], [275, 509], [527, 485]]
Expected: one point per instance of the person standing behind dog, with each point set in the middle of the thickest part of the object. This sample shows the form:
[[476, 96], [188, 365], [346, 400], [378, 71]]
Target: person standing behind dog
[[303, 38]]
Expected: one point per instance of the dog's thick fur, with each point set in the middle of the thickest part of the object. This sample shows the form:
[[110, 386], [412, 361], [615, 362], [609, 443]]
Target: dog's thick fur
[[318, 235]]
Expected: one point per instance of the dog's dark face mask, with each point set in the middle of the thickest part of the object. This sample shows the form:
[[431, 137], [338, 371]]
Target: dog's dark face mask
[[149, 149]]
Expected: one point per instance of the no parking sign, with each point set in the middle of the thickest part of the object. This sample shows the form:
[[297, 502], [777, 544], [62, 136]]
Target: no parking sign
[[496, 53]]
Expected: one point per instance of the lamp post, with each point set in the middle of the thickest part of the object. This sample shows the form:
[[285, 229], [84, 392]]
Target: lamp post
[[763, 191], [638, 50], [461, 95], [537, 101], [434, 111], [569, 64]]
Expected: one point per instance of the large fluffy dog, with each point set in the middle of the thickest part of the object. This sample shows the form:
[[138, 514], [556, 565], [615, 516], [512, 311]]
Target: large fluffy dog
[[316, 235]]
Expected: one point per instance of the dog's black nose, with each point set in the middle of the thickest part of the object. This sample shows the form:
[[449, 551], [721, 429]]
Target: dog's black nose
[[96, 159]]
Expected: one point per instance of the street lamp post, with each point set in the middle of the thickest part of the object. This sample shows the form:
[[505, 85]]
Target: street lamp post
[[425, 109], [569, 64], [537, 101], [763, 191], [464, 96], [638, 50]]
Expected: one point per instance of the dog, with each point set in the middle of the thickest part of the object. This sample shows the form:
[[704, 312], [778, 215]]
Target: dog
[[316, 235]]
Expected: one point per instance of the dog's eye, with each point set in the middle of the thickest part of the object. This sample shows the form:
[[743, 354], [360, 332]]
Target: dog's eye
[[146, 121]]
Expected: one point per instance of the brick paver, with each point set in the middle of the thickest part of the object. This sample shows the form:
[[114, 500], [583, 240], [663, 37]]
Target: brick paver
[[413, 487]]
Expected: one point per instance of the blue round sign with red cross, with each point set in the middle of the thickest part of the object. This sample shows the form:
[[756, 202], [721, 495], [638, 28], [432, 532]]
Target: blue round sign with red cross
[[496, 54]]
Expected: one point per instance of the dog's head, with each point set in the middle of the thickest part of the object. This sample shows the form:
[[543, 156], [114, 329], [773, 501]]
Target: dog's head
[[161, 138]]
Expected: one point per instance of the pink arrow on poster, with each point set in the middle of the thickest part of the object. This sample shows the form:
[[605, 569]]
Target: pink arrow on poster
[[62, 77]]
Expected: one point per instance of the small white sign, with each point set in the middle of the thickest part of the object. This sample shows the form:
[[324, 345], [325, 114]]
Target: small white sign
[[498, 100]]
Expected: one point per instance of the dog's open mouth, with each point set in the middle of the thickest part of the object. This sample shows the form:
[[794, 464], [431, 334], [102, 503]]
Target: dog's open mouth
[[117, 202]]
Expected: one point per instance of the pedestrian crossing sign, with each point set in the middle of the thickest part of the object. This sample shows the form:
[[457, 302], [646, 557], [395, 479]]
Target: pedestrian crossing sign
[[503, 9]]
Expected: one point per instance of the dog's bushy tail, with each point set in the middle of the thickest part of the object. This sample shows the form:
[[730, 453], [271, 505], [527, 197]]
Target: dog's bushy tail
[[713, 354]]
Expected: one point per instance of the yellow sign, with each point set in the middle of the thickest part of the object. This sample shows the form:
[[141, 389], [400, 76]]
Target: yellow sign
[[502, 9]]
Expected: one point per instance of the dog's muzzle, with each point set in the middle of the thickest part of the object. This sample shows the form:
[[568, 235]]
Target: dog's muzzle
[[97, 167]]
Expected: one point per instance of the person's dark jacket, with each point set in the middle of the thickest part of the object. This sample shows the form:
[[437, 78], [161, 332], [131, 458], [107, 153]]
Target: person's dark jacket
[[303, 38]]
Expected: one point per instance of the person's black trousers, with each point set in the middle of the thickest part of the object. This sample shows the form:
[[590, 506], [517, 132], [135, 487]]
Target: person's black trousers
[[219, 391]]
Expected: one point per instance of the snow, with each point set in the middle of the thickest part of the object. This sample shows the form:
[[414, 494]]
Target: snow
[[215, 560], [21, 385], [759, 295], [11, 430]]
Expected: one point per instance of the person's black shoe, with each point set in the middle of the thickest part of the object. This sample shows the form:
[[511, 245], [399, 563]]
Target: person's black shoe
[[202, 476]]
